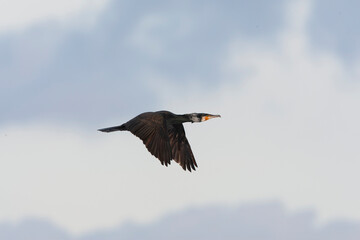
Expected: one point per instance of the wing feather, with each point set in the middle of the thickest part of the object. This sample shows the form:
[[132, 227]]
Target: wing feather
[[180, 147], [152, 130]]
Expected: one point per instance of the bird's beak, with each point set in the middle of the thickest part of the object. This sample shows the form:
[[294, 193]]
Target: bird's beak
[[207, 117]]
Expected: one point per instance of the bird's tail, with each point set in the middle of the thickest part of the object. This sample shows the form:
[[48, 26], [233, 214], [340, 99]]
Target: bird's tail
[[112, 129]]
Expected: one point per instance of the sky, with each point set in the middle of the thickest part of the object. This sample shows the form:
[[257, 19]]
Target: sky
[[284, 75]]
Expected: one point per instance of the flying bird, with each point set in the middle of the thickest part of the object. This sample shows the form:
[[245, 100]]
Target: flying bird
[[163, 134]]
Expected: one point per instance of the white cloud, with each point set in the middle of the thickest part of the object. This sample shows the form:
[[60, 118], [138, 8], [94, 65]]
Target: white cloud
[[290, 127], [84, 181], [19, 14], [289, 131], [81, 181]]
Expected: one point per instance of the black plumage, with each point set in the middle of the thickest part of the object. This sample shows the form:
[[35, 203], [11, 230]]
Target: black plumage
[[164, 136]]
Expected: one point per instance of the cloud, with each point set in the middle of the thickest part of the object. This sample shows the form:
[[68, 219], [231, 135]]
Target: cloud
[[267, 220], [57, 72], [86, 179], [79, 75], [20, 14], [32, 229], [289, 129]]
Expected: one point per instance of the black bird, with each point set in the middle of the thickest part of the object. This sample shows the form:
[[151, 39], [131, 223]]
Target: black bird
[[163, 134]]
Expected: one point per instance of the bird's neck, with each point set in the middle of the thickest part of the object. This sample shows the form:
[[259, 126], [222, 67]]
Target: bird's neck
[[181, 118], [187, 117]]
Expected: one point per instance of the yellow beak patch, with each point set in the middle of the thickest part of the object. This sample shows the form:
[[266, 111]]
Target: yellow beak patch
[[205, 118]]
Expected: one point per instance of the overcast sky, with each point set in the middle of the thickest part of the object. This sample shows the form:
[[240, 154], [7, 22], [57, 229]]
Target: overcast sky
[[284, 75]]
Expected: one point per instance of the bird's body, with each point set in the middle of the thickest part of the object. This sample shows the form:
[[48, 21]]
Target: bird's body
[[163, 134]]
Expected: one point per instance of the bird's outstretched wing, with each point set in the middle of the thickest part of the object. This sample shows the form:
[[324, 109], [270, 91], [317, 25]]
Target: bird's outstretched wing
[[181, 150], [152, 130]]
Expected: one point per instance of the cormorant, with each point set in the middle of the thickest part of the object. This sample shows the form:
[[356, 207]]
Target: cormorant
[[163, 134]]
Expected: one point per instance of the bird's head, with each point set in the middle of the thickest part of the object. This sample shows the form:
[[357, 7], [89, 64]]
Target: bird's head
[[201, 117]]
